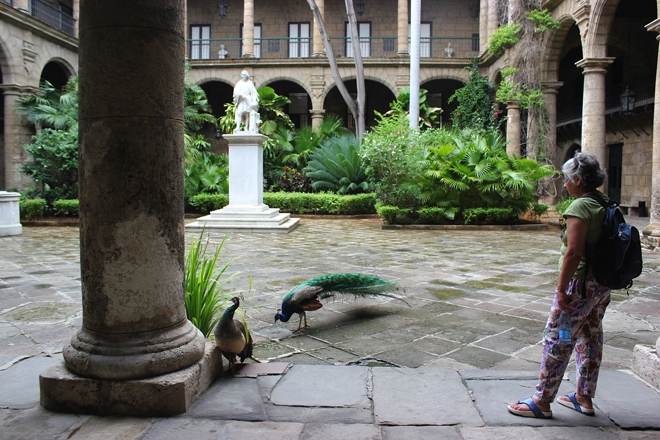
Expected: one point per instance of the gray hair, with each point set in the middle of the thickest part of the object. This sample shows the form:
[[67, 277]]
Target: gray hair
[[586, 167]]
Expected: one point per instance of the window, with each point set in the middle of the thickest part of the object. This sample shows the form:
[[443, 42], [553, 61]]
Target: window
[[475, 42], [364, 34], [299, 40], [257, 40], [425, 40], [200, 44]]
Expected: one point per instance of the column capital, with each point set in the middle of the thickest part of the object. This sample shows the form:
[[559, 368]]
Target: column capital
[[17, 89], [317, 113], [551, 86], [654, 26], [513, 105], [594, 65]]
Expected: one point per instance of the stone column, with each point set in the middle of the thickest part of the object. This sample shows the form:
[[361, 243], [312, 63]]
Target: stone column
[[483, 26], [552, 186], [653, 229], [318, 48], [248, 28], [131, 193], [76, 17], [593, 108], [402, 28], [22, 5], [492, 19], [317, 117], [17, 134], [513, 128]]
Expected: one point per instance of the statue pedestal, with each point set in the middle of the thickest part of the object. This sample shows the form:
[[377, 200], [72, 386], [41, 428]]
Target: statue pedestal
[[246, 210], [10, 223]]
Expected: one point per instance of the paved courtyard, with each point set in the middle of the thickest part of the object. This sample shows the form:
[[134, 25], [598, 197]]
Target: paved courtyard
[[475, 304]]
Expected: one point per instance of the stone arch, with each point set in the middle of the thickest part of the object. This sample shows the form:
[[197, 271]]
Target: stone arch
[[377, 99], [5, 65], [445, 88], [600, 22], [554, 48], [56, 72], [218, 93], [367, 77], [462, 75], [274, 79], [300, 106], [570, 152]]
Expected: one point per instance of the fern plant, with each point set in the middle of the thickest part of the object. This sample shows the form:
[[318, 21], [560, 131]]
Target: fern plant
[[337, 166]]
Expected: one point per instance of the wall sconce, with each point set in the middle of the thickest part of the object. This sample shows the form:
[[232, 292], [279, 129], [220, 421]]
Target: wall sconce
[[218, 132], [627, 101], [222, 9], [360, 7]]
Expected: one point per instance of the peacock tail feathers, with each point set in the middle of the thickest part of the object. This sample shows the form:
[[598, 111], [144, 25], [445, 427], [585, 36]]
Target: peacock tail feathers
[[350, 284]]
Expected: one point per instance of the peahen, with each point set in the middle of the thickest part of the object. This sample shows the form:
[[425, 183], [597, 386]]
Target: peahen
[[231, 337], [306, 297]]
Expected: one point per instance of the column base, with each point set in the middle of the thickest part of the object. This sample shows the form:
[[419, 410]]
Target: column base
[[133, 356], [164, 395], [651, 236], [6, 230], [646, 364]]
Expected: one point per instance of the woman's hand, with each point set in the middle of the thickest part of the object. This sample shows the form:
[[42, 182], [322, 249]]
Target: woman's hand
[[563, 300]]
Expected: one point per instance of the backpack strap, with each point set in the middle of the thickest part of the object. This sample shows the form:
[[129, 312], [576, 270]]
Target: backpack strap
[[612, 203]]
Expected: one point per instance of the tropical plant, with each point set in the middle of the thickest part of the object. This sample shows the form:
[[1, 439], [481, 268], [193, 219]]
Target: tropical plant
[[208, 173], [292, 180], [271, 111], [473, 170], [392, 156], [204, 289], [52, 108], [475, 108], [55, 163], [429, 117], [337, 166]]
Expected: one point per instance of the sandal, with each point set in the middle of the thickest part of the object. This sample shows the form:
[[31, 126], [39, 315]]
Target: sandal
[[534, 411], [576, 406]]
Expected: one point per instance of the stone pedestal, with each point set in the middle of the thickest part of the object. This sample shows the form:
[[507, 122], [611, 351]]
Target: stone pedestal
[[646, 363], [246, 210], [9, 214], [513, 128]]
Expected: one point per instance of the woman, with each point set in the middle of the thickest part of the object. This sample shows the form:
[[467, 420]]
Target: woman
[[579, 293]]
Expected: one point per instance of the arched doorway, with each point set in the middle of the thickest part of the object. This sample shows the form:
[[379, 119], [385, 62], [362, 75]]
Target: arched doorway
[[300, 105], [218, 94], [569, 96], [55, 74], [378, 98], [439, 92]]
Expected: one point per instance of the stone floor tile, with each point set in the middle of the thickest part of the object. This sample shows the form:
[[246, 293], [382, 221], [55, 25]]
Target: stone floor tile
[[19, 384], [544, 433], [397, 394], [295, 414], [493, 396], [420, 433], [477, 357], [312, 385], [628, 401], [406, 356], [37, 423], [112, 428], [340, 415], [230, 399], [337, 431]]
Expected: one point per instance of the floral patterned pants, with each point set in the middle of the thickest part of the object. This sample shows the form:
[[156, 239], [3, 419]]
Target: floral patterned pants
[[586, 336]]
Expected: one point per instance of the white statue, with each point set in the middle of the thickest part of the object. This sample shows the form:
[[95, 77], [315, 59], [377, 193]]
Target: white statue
[[222, 53], [255, 118], [246, 99], [449, 50]]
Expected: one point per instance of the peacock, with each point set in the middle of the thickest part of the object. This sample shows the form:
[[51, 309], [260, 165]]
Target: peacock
[[306, 297], [231, 336]]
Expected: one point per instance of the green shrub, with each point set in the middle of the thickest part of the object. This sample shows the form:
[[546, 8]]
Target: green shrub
[[66, 207], [539, 209], [563, 205], [490, 215], [33, 208], [206, 203], [298, 203], [434, 215], [388, 213]]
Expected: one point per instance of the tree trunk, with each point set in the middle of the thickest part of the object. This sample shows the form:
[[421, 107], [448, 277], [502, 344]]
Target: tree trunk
[[359, 68]]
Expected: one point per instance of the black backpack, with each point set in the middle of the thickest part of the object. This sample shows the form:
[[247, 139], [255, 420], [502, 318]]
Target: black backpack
[[617, 256]]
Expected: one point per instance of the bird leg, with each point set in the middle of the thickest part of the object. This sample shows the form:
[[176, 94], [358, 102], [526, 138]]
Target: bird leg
[[303, 315]]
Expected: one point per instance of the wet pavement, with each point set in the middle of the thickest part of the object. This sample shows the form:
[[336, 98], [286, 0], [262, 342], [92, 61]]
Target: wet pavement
[[475, 301]]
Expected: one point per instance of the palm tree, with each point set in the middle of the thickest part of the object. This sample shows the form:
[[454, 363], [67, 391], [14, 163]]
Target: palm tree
[[51, 107]]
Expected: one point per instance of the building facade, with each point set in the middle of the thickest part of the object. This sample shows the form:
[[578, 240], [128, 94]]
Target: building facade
[[604, 50]]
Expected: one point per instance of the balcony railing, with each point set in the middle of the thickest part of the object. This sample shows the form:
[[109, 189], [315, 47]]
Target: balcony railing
[[52, 16], [290, 48], [386, 47]]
